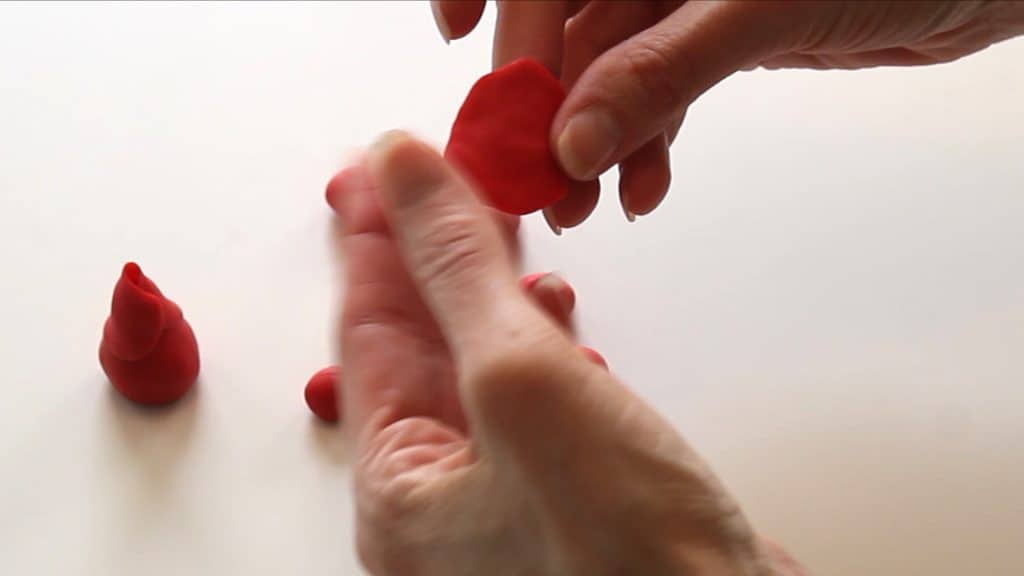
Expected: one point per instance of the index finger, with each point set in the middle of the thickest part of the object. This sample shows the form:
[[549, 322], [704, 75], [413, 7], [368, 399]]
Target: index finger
[[456, 18], [530, 30], [390, 345]]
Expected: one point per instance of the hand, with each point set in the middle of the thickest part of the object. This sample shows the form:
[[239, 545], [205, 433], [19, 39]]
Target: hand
[[486, 441], [633, 68]]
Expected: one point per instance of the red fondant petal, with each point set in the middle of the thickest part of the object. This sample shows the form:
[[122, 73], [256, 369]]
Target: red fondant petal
[[501, 138]]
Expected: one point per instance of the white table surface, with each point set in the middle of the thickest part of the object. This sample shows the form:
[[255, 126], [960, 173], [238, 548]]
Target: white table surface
[[830, 304]]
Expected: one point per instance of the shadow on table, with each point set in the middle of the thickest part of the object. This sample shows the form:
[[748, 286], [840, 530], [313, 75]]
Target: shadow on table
[[329, 440], [151, 484], [154, 438]]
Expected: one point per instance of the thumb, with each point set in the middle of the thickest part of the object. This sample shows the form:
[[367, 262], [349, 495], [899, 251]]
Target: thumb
[[637, 89], [451, 245]]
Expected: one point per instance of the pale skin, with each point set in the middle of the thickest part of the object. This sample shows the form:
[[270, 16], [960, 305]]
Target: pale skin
[[633, 68], [486, 442]]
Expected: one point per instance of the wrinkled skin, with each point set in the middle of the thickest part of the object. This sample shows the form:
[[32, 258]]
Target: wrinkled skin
[[486, 441], [640, 64]]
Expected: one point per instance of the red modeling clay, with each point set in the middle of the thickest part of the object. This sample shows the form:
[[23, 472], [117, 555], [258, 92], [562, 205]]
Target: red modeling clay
[[148, 349], [322, 393], [502, 137]]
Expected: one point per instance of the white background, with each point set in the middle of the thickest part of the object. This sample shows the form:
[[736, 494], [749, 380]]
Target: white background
[[829, 305]]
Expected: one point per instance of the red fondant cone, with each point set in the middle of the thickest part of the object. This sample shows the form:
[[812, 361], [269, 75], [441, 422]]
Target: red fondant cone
[[148, 349]]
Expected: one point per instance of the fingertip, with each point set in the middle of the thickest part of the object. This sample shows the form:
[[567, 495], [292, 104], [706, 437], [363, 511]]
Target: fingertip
[[578, 204], [530, 30], [553, 294], [350, 195], [405, 167], [567, 295], [549, 219], [334, 189], [455, 19], [644, 178], [587, 142], [440, 20], [530, 280], [385, 145], [341, 185], [594, 356]]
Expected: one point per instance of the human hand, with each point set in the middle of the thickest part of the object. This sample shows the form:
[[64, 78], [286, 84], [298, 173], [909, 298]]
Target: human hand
[[486, 441], [633, 68]]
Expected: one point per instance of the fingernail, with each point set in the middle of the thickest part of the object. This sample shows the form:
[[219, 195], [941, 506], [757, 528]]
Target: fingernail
[[630, 217], [587, 142], [442, 24], [549, 217], [405, 169], [385, 140]]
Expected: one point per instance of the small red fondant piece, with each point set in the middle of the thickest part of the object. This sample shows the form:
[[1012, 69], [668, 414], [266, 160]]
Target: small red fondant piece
[[148, 349], [502, 137], [322, 393], [594, 356]]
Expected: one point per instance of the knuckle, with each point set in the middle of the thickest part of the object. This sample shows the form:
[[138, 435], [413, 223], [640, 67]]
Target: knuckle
[[515, 379], [373, 305], [386, 506], [385, 499], [396, 503], [659, 73], [449, 248], [390, 499]]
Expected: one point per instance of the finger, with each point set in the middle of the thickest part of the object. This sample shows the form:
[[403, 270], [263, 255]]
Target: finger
[[594, 356], [896, 56], [554, 296], [348, 195], [387, 334], [599, 27], [530, 30], [574, 7], [673, 128], [456, 18], [644, 177], [634, 90], [577, 205], [449, 242]]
